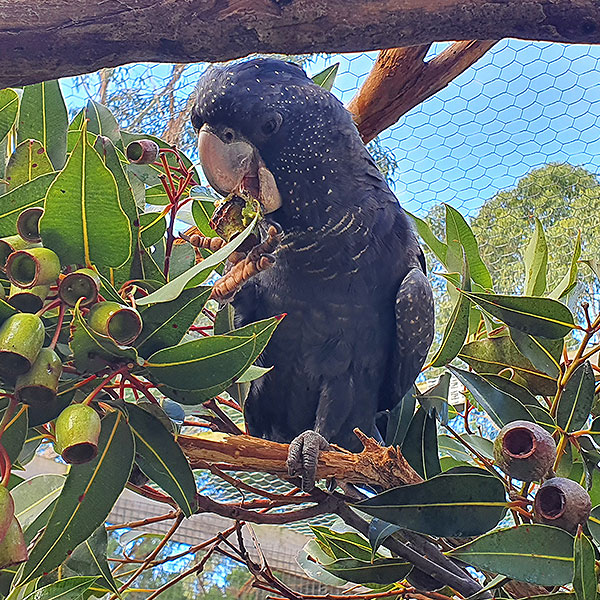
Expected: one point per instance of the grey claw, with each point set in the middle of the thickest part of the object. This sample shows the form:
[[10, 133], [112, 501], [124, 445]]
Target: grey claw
[[303, 456]]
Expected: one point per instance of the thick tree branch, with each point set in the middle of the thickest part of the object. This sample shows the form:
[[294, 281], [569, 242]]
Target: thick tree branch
[[375, 465], [401, 79], [44, 39]]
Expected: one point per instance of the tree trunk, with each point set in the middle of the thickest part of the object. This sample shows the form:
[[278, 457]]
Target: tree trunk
[[45, 39]]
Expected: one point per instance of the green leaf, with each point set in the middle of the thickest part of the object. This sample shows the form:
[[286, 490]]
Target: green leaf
[[102, 122], [71, 588], [536, 262], [202, 210], [87, 498], [211, 362], [536, 554], [576, 399], [420, 445], [15, 434], [379, 531], [9, 109], [381, 571], [594, 523], [43, 117], [521, 393], [197, 273], [153, 227], [584, 576], [28, 161], [203, 363], [18, 199], [457, 327], [326, 77], [501, 407], [110, 157], [347, 544], [89, 558], [493, 355], [543, 353], [448, 505], [83, 220], [438, 247], [33, 496], [399, 419], [91, 350], [156, 195], [252, 373], [435, 399], [458, 230], [166, 323], [567, 283], [311, 559], [161, 459], [538, 316]]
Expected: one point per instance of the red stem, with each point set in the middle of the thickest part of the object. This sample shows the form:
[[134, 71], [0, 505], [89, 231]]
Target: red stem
[[59, 324]]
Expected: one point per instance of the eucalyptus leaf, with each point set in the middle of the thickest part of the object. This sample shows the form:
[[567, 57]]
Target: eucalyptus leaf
[[419, 447], [536, 554], [326, 77], [501, 407], [9, 109], [43, 117], [576, 399], [448, 505], [399, 419], [161, 459], [585, 582], [536, 262]]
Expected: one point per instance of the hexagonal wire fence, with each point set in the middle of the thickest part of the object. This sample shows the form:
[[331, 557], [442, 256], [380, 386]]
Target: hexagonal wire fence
[[516, 136]]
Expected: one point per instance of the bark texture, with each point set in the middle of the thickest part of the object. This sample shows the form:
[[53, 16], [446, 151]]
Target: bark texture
[[375, 465], [45, 39]]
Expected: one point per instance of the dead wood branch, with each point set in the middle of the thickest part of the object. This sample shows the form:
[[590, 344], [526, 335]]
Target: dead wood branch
[[401, 79], [46, 39], [375, 465]]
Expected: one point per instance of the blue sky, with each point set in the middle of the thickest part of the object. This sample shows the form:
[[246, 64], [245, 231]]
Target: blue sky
[[522, 105]]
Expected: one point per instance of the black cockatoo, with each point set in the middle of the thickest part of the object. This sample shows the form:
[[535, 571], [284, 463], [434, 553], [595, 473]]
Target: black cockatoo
[[349, 273]]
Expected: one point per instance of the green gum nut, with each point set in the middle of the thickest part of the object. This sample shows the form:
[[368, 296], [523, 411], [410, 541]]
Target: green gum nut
[[7, 511], [28, 224], [84, 283], [39, 385], [121, 323], [21, 339], [33, 267], [28, 300], [11, 244], [77, 430], [13, 549]]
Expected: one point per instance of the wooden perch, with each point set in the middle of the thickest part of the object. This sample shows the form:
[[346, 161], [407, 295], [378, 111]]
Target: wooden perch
[[47, 39], [375, 465], [401, 79]]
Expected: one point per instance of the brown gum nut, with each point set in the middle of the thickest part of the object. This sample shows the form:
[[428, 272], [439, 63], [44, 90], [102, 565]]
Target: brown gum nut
[[524, 450], [563, 503]]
